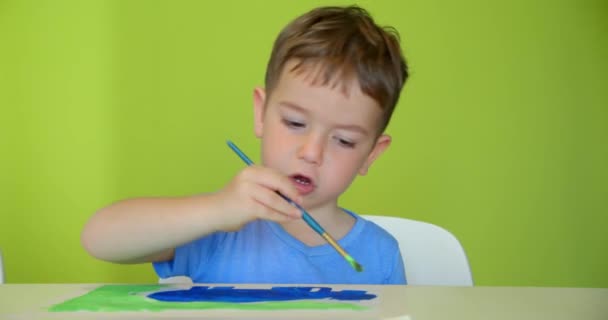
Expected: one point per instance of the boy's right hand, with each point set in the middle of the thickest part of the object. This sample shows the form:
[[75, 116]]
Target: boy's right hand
[[252, 195]]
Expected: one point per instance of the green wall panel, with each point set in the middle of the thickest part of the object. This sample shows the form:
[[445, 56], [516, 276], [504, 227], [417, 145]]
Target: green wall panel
[[500, 135]]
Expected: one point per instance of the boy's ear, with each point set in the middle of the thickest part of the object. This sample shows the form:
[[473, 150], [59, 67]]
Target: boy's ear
[[259, 100], [383, 142]]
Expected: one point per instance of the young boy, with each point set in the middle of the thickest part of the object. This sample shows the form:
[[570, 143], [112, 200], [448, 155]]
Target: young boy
[[332, 82]]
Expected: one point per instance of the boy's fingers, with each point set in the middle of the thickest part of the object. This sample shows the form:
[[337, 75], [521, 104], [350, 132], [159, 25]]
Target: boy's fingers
[[271, 214], [276, 204], [278, 182]]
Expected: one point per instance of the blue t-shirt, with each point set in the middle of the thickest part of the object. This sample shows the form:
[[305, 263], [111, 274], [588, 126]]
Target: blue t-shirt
[[263, 252]]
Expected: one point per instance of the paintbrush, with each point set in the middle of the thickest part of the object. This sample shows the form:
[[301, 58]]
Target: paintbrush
[[307, 217]]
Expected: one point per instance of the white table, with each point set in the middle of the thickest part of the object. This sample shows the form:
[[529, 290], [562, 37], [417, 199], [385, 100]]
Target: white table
[[30, 301]]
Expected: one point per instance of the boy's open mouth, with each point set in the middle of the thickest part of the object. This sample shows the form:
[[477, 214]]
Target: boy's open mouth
[[303, 183]]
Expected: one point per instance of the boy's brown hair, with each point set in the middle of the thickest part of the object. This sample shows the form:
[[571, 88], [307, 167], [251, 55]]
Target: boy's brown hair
[[339, 43]]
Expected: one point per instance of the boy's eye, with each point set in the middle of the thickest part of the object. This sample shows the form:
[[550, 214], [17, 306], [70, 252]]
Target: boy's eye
[[345, 143], [293, 124]]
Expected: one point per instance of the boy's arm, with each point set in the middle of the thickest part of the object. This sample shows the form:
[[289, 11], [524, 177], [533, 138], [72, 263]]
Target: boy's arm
[[165, 255], [149, 229]]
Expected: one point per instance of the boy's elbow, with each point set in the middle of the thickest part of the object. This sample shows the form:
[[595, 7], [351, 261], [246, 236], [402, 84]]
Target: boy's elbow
[[87, 240], [91, 240]]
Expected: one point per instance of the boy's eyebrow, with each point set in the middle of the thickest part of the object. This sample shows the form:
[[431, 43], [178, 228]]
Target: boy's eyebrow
[[292, 105], [350, 127]]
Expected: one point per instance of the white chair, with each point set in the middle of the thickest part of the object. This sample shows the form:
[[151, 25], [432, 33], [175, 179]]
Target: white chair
[[431, 255], [1, 269]]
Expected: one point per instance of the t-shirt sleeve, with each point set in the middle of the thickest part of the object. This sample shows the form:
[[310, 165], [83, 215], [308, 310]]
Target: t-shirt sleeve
[[188, 257], [397, 274]]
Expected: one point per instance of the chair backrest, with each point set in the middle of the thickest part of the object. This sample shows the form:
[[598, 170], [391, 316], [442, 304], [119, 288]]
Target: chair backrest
[[431, 254], [1, 269]]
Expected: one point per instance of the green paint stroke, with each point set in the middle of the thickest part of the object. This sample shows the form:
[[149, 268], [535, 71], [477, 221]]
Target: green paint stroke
[[113, 298]]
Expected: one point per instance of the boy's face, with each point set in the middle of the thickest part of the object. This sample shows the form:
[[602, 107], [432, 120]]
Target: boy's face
[[319, 136]]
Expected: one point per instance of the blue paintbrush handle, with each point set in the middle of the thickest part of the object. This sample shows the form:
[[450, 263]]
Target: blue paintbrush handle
[[307, 217], [239, 153]]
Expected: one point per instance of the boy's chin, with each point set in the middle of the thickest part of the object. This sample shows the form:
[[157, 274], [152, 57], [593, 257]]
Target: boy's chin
[[311, 203]]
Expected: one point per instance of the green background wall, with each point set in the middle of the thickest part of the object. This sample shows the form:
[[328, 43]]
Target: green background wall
[[500, 136]]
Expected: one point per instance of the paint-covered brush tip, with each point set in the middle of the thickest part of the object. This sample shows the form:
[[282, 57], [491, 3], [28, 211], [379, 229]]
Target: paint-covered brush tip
[[358, 267], [354, 264]]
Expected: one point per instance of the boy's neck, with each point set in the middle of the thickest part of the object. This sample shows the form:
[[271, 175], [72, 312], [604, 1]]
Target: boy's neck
[[332, 218]]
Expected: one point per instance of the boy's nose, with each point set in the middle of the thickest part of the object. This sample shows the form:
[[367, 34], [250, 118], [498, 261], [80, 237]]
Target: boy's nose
[[311, 150]]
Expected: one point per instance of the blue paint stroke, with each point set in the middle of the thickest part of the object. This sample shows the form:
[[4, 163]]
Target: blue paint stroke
[[231, 294]]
